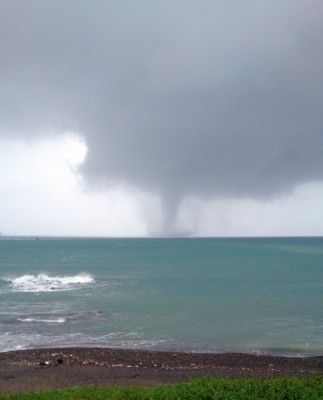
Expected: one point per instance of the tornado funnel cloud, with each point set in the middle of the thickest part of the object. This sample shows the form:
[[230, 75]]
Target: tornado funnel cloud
[[210, 99]]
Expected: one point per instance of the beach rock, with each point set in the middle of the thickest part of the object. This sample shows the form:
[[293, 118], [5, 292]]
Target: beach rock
[[45, 364]]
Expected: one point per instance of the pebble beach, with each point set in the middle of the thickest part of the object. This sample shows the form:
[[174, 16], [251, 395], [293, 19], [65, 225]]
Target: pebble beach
[[41, 369]]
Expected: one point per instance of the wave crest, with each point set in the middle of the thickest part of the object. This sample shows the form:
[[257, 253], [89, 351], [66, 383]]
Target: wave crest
[[46, 283]]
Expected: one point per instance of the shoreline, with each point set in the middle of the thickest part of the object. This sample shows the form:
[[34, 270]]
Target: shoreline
[[41, 369]]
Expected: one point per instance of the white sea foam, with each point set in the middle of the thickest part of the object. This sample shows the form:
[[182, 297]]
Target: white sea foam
[[46, 283], [20, 341], [59, 320]]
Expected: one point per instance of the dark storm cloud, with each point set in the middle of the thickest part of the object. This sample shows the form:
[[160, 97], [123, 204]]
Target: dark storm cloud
[[207, 98]]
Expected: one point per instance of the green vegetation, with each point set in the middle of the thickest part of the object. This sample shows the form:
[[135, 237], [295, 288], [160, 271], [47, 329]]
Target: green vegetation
[[201, 389]]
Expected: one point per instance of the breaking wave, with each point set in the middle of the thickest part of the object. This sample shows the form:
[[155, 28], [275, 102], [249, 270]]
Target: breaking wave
[[46, 283], [45, 320], [71, 318]]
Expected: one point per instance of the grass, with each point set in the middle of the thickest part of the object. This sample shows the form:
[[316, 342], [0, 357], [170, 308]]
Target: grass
[[201, 389]]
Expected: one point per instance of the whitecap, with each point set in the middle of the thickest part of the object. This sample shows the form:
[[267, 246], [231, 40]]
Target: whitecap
[[46, 283]]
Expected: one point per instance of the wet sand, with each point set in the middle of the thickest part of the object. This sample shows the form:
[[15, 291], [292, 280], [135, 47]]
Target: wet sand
[[33, 370]]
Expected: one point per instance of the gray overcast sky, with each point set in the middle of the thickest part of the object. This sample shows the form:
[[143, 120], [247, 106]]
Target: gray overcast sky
[[190, 102]]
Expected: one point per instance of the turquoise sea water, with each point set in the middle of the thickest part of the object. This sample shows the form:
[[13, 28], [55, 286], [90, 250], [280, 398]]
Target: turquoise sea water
[[251, 295]]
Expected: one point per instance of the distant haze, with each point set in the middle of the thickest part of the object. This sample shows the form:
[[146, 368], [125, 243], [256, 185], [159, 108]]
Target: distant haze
[[180, 100]]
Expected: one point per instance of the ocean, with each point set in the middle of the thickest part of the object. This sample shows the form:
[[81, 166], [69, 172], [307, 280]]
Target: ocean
[[254, 295]]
